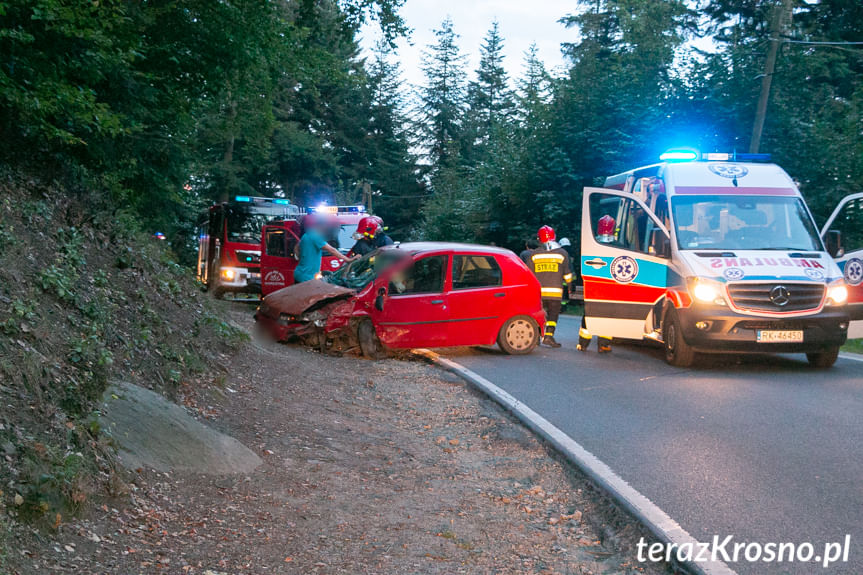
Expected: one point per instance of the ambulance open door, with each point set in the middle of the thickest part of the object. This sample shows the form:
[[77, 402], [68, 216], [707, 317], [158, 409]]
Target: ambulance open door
[[625, 255], [847, 219]]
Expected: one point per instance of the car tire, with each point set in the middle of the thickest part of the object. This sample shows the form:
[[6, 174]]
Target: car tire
[[370, 343], [823, 359], [677, 352], [519, 335]]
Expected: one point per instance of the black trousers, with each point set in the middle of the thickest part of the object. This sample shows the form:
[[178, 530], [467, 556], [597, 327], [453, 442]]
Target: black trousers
[[552, 313]]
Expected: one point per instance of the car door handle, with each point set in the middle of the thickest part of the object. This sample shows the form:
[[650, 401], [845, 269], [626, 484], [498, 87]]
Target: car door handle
[[596, 263], [500, 294], [436, 301]]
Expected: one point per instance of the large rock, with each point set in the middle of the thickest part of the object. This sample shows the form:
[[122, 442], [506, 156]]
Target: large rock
[[152, 432]]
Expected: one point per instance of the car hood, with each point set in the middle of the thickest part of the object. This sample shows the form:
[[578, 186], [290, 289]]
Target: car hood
[[299, 298]]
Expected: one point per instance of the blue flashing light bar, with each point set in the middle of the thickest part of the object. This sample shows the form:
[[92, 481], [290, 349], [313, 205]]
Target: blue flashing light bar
[[679, 155], [690, 155], [243, 199], [282, 202]]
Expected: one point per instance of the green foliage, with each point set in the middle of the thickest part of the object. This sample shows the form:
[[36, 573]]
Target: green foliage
[[56, 280]]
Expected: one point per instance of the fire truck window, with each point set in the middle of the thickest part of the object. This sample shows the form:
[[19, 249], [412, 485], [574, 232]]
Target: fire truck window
[[276, 245], [849, 222], [475, 271], [424, 276]]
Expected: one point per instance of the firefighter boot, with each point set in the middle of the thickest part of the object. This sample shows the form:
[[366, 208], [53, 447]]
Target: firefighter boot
[[584, 338], [604, 345], [548, 339]]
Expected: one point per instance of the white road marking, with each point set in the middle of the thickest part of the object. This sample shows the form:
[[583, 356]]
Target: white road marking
[[648, 513], [851, 356]]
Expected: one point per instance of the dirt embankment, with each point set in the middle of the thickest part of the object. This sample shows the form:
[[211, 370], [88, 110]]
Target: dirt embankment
[[369, 467], [85, 299]]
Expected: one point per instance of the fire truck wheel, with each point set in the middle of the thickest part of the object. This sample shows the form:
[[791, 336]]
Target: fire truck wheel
[[677, 352], [519, 335], [370, 344], [823, 359]]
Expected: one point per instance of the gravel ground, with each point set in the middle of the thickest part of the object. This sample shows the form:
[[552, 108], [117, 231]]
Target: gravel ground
[[369, 467]]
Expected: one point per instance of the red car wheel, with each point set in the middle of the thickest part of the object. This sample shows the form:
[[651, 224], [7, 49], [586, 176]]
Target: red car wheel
[[519, 335]]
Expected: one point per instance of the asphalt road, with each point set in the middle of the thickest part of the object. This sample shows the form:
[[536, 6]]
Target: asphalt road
[[759, 447]]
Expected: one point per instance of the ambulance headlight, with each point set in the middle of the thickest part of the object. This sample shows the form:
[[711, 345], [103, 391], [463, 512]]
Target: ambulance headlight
[[706, 291], [837, 293]]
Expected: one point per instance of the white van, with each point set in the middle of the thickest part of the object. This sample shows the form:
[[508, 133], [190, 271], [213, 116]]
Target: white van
[[719, 253]]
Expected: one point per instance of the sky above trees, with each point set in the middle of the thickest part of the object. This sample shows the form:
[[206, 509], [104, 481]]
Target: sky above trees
[[521, 24]]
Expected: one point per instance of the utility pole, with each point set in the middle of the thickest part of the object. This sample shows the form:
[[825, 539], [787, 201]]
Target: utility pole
[[781, 19]]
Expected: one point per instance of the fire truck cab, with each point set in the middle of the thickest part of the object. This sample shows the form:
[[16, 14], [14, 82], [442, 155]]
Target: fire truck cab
[[719, 253], [229, 237], [279, 241]]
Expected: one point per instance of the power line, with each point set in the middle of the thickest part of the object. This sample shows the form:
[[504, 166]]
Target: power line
[[814, 43]]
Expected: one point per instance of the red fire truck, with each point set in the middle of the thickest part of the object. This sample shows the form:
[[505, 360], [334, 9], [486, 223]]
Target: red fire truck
[[229, 242], [280, 238]]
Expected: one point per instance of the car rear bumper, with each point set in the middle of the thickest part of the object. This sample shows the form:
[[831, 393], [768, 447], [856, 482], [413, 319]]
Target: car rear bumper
[[730, 331]]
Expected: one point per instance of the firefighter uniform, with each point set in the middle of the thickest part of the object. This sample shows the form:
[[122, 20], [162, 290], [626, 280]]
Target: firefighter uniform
[[551, 266]]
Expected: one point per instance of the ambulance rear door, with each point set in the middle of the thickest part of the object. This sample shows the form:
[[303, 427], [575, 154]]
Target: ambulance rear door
[[847, 219], [625, 271]]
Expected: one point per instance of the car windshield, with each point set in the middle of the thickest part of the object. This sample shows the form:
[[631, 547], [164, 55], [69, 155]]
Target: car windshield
[[360, 273], [246, 222], [743, 223]]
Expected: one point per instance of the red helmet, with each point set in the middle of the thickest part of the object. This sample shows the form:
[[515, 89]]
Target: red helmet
[[369, 226], [546, 234], [606, 228]]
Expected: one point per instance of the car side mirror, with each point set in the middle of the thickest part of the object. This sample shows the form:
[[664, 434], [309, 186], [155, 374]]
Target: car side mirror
[[660, 244], [379, 301], [833, 242]]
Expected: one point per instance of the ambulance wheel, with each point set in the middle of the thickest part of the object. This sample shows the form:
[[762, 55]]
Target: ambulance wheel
[[519, 335], [370, 344], [677, 352], [823, 359]]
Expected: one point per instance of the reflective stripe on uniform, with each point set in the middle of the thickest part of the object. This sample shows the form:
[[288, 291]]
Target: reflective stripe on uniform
[[558, 258], [567, 278], [584, 334], [551, 323], [553, 292]]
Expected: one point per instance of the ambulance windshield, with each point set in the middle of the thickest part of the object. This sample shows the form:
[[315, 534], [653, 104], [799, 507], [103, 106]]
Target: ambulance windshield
[[743, 223]]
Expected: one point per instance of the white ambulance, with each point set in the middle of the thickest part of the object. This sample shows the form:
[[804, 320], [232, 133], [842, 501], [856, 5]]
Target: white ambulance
[[719, 253]]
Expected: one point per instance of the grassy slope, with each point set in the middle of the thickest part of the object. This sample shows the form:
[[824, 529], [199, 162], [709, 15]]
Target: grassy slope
[[84, 299], [854, 346]]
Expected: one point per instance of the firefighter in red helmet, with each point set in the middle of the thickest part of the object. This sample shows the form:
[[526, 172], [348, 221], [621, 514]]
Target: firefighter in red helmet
[[370, 236], [550, 264], [606, 233]]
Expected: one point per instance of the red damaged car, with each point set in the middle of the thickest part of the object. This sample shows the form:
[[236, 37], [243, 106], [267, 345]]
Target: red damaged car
[[413, 295]]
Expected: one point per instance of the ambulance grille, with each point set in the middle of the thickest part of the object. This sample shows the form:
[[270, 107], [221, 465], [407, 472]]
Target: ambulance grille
[[768, 297]]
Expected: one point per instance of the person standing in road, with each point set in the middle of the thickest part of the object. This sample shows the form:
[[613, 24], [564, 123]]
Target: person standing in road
[[550, 264], [311, 247], [370, 236]]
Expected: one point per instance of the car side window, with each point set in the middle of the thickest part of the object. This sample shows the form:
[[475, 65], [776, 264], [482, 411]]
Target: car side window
[[426, 275], [473, 271], [849, 221]]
